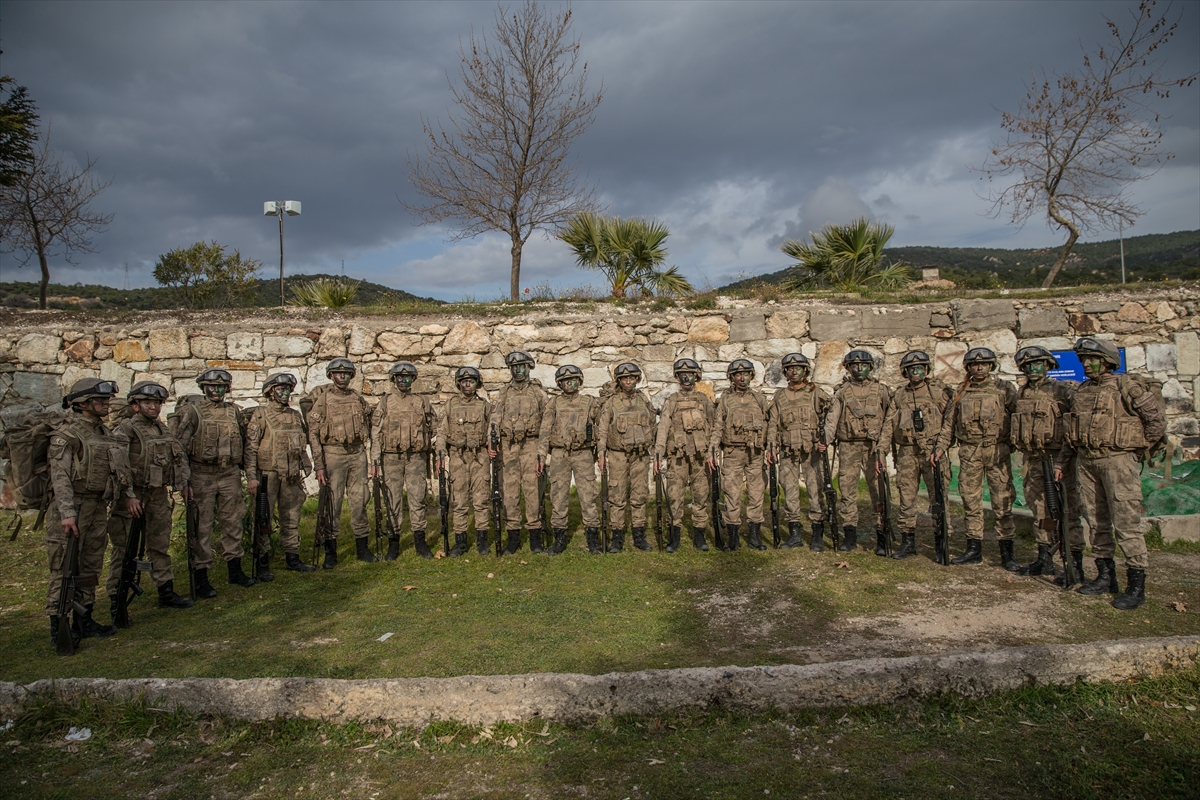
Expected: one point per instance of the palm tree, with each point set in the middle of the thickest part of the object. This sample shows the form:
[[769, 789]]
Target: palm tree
[[846, 257], [629, 252]]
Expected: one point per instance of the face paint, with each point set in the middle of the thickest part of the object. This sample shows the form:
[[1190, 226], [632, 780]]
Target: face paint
[[687, 380], [860, 371], [520, 372], [741, 379], [341, 379], [1093, 366], [150, 409], [978, 371], [215, 391], [795, 375], [628, 382], [1036, 370], [404, 382], [916, 373], [282, 394], [467, 386], [570, 385]]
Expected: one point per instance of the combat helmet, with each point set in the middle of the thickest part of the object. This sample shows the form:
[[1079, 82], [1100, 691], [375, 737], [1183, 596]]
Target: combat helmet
[[914, 358], [686, 365], [1027, 355], [796, 360], [86, 389], [148, 390], [739, 365], [210, 376], [1098, 347], [403, 368], [518, 357], [980, 355], [627, 369], [340, 365], [468, 372], [279, 379], [568, 371], [857, 357]]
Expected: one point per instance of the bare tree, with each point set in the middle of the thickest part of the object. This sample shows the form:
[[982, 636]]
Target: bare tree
[[501, 164], [1078, 140], [45, 212]]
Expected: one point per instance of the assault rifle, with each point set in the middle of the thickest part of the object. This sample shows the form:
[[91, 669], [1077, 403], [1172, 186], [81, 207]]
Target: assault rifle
[[940, 511], [444, 507], [544, 504], [191, 518], [262, 525], [883, 487], [605, 522], [382, 528], [327, 524], [828, 495], [68, 634], [1055, 506], [773, 492], [661, 520], [718, 522], [132, 565], [497, 497]]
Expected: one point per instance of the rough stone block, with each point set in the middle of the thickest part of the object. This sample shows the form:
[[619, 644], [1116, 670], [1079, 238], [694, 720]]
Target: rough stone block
[[332, 343], [130, 350], [827, 367], [362, 340], [595, 377], [748, 328], [709, 330], [38, 348], [433, 330], [81, 350], [1187, 353], [1162, 311], [466, 337], [1182, 527], [516, 335], [287, 346], [1160, 357], [546, 333], [1177, 398], [787, 325], [42, 387], [244, 346], [1084, 324], [728, 352], [169, 343], [74, 372], [208, 347], [829, 325], [1049, 342], [940, 320], [1002, 342], [1134, 312], [658, 352], [770, 349], [983, 315], [243, 379], [658, 372], [1101, 306], [947, 361], [402, 344], [295, 372], [161, 378], [611, 335], [880, 323], [1041, 322]]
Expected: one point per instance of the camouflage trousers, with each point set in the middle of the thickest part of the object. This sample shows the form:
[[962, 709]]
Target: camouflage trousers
[[628, 487], [796, 469], [346, 471], [406, 473], [219, 490], [912, 465], [519, 475], [1111, 491], [855, 458], [1035, 501], [742, 466], [287, 497], [156, 511], [684, 472], [563, 464], [91, 517], [995, 463], [470, 487]]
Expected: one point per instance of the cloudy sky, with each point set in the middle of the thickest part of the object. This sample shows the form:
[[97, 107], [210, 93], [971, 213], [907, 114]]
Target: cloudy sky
[[737, 124]]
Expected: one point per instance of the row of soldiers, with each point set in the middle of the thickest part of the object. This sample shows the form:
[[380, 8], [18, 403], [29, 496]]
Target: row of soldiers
[[1092, 436]]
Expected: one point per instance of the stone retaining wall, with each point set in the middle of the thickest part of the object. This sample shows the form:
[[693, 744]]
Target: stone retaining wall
[[569, 698]]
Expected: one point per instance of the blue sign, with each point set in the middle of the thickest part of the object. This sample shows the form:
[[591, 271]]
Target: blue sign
[[1069, 368]]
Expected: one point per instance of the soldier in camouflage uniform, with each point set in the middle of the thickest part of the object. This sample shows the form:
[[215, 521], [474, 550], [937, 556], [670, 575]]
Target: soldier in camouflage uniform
[[978, 419], [681, 447], [462, 450], [855, 421], [567, 435], [1114, 422], [88, 469], [517, 418], [1037, 432], [401, 441], [624, 439], [913, 422], [794, 443], [275, 449], [339, 427], [739, 439], [212, 433], [156, 461]]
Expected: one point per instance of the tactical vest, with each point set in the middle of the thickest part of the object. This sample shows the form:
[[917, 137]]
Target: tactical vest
[[218, 437], [404, 427], [631, 424], [925, 399], [745, 420], [341, 418], [982, 414], [152, 451], [281, 449], [688, 432], [571, 416], [520, 415], [465, 423], [799, 419], [1037, 423], [1100, 421], [96, 460], [863, 409]]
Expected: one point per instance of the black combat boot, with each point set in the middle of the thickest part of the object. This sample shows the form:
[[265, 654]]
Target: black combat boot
[[972, 555], [1042, 565], [482, 541], [514, 542], [849, 539], [292, 561], [697, 540], [535, 540], [673, 540], [237, 576], [617, 543], [795, 536], [204, 589], [754, 536], [560, 541], [113, 613], [817, 542], [88, 627], [908, 545], [733, 539], [881, 543], [1077, 561], [1106, 579], [393, 551], [593, 540], [330, 554], [1007, 559], [264, 569], [362, 550], [420, 545], [460, 546], [1135, 590], [639, 540], [168, 599]]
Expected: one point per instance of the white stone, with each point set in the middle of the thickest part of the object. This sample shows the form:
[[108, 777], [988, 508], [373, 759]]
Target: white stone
[[316, 376], [1049, 342], [243, 379], [772, 348], [295, 372], [466, 337], [1001, 342], [1135, 357], [1187, 353], [122, 376], [544, 373], [594, 377], [287, 346], [74, 373], [433, 330], [1160, 357], [208, 347], [244, 346], [516, 335], [38, 348], [169, 343], [728, 352], [362, 340]]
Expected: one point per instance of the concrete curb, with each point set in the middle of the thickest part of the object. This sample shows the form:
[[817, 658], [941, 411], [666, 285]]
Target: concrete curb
[[483, 700]]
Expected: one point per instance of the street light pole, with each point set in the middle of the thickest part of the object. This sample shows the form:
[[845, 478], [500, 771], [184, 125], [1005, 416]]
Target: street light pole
[[277, 208]]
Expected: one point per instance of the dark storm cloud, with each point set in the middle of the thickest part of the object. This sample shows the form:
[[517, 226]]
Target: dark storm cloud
[[737, 123]]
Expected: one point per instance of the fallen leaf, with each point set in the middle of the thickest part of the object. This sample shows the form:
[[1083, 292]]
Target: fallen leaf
[[365, 747], [510, 742], [447, 739], [409, 588], [843, 565], [1179, 606], [1008, 579], [1030, 724], [1146, 738], [440, 554], [524, 562], [545, 730], [491, 575], [655, 761], [385, 637]]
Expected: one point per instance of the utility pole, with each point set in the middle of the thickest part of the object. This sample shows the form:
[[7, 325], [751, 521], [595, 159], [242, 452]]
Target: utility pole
[[1121, 228], [277, 208]]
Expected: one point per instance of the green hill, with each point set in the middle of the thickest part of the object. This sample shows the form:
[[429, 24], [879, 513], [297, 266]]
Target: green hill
[[1153, 257], [95, 296]]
